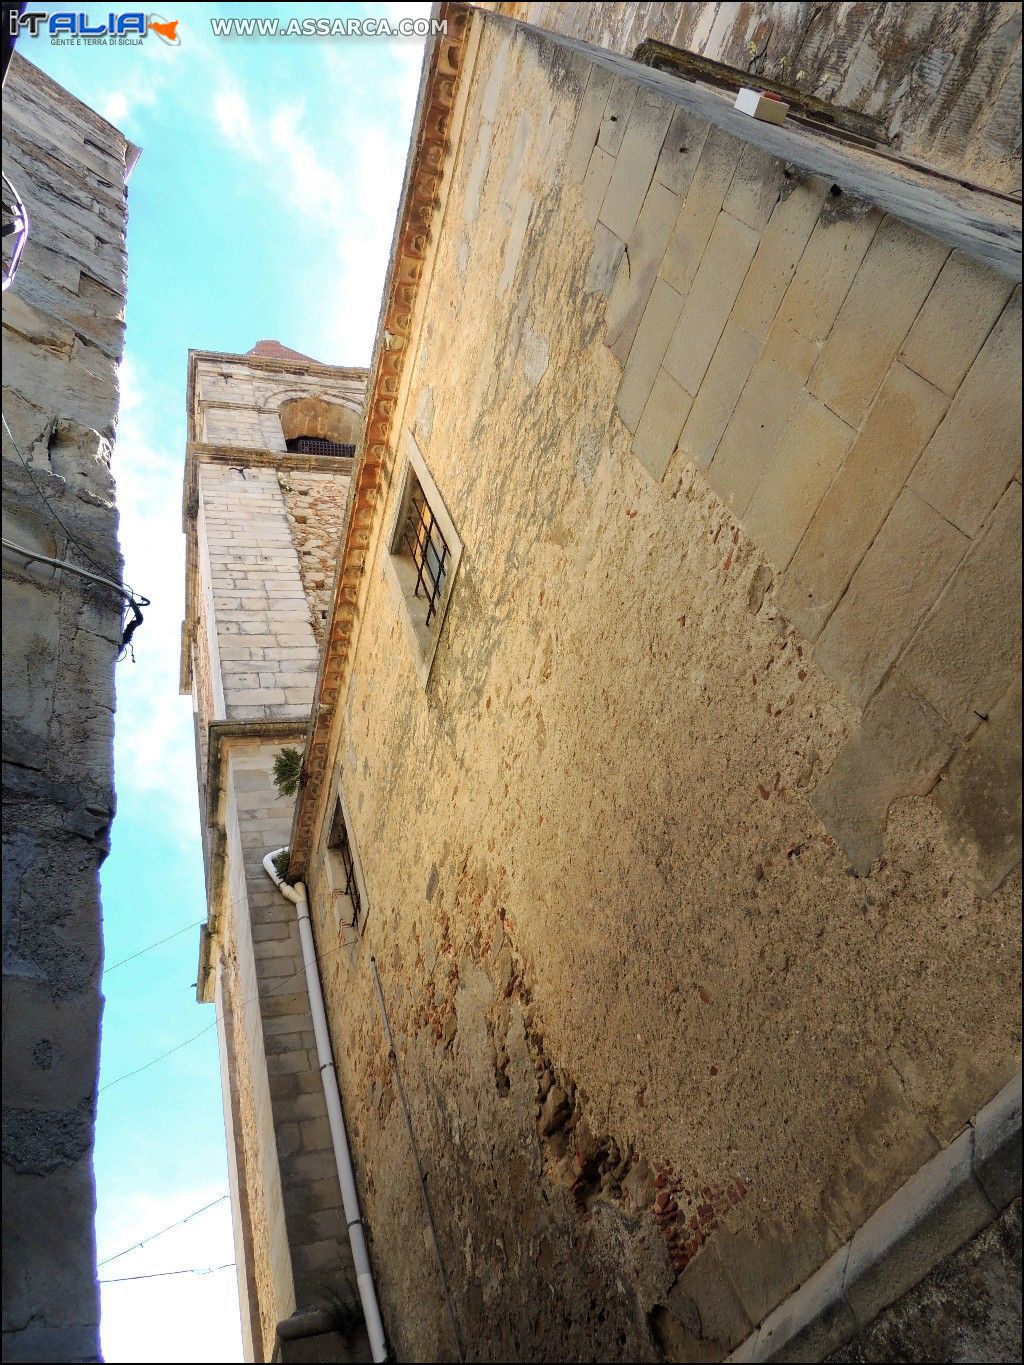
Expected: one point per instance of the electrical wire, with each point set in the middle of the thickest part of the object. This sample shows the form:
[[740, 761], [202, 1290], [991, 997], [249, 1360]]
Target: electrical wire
[[160, 941], [170, 1052], [162, 1274], [286, 981], [169, 1228]]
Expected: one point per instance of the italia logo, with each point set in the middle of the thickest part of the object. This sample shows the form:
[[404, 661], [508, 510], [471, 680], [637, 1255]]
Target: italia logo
[[73, 24]]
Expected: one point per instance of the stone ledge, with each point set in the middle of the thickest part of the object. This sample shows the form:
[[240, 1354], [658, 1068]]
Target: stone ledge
[[950, 1199], [997, 1145]]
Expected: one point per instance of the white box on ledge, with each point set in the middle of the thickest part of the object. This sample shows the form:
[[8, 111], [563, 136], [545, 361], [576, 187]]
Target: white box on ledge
[[768, 108]]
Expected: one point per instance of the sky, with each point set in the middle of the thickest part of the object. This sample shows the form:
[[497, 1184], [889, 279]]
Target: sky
[[262, 206]]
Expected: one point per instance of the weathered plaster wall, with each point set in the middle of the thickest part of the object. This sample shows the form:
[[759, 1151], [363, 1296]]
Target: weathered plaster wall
[[62, 339], [943, 80], [666, 1044]]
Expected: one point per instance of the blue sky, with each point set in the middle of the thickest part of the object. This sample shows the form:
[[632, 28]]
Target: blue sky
[[262, 206]]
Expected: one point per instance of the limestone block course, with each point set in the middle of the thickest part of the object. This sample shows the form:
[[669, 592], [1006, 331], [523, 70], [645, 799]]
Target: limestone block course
[[893, 282], [955, 321], [635, 162], [905, 413], [981, 431], [724, 265], [906, 567], [967, 652]]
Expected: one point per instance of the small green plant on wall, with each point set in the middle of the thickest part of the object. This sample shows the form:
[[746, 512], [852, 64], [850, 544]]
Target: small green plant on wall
[[287, 768]]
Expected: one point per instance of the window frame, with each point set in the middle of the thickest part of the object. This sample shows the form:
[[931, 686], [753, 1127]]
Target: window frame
[[337, 877], [399, 567]]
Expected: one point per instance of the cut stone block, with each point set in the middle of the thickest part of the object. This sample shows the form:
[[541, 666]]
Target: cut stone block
[[782, 244], [957, 316], [977, 448], [909, 562], [899, 750], [638, 268], [588, 124], [704, 1315], [647, 352], [833, 255], [700, 212], [934, 1213], [681, 151], [618, 105], [659, 429], [813, 1322], [997, 1145], [968, 651], [796, 478], [605, 261], [717, 397], [898, 427], [761, 416], [595, 183], [898, 271], [769, 1261], [635, 163], [980, 795], [755, 189], [719, 276]]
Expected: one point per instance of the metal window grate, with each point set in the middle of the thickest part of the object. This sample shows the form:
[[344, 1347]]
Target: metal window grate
[[316, 445], [428, 548], [340, 844]]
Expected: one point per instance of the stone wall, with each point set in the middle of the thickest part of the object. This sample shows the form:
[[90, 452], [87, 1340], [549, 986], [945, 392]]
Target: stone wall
[[942, 80], [240, 397], [263, 525], [298, 1252], [315, 504], [669, 1035], [62, 338], [265, 642]]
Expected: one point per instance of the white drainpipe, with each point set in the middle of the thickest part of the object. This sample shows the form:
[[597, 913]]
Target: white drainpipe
[[350, 1198]]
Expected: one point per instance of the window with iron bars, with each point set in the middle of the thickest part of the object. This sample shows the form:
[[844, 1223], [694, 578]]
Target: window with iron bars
[[423, 540], [338, 843], [316, 445], [421, 557]]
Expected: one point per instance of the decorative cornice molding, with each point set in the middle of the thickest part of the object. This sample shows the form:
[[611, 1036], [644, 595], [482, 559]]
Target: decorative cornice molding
[[421, 202]]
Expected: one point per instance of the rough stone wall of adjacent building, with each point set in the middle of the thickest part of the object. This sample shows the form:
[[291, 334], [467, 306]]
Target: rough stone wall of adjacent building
[[62, 340], [694, 906], [262, 546], [315, 504], [943, 80]]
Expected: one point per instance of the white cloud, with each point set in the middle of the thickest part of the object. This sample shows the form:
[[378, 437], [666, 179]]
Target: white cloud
[[120, 105], [233, 117]]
